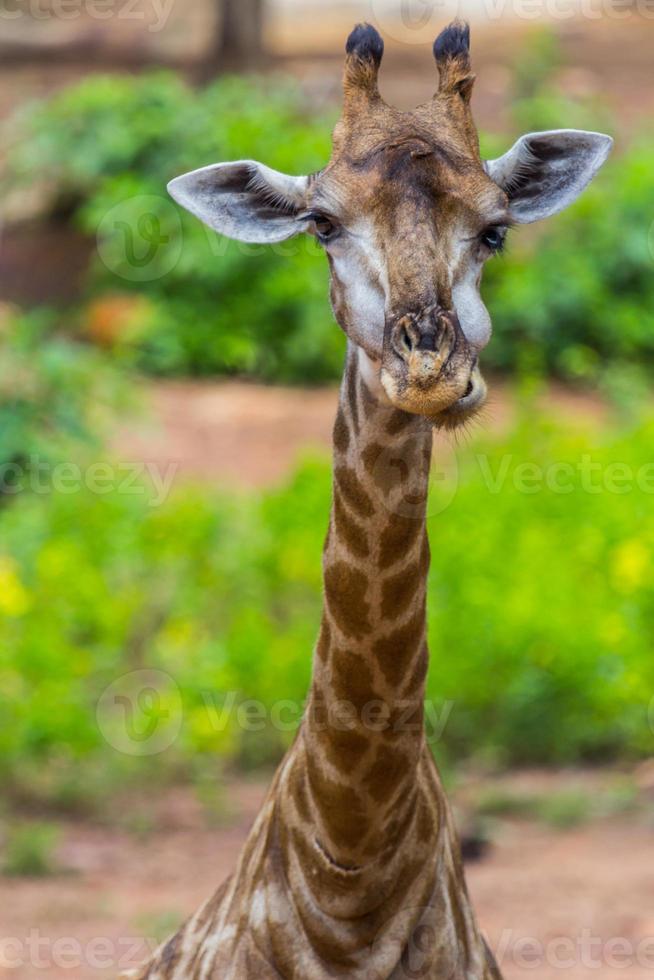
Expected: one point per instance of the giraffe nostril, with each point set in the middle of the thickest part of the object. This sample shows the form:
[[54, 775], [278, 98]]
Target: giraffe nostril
[[469, 389], [405, 340]]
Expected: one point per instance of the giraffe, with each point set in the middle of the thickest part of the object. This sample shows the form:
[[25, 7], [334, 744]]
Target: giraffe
[[352, 868]]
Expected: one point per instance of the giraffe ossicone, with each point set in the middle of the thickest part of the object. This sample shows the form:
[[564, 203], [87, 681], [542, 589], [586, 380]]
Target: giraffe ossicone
[[352, 868]]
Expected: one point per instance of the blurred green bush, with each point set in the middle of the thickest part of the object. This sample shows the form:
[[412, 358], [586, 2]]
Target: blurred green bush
[[542, 608], [541, 613], [29, 850], [575, 298], [55, 396], [222, 308], [578, 300]]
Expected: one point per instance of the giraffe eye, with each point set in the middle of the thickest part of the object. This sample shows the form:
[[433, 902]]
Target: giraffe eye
[[324, 226], [494, 239]]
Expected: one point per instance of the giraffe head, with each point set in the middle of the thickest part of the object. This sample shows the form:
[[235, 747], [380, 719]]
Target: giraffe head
[[408, 214]]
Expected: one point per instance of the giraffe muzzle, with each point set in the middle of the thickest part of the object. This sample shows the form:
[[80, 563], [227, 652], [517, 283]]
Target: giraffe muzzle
[[433, 330], [428, 366]]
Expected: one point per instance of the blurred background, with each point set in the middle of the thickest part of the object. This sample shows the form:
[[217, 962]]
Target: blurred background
[[166, 401]]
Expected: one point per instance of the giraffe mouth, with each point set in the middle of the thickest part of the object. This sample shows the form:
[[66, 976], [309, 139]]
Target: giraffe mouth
[[468, 405], [428, 367]]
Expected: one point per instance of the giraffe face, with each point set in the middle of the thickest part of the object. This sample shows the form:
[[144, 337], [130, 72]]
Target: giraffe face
[[408, 214], [408, 218]]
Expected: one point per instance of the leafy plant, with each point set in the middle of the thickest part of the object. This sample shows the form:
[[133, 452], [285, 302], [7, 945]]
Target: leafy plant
[[565, 810], [223, 595], [28, 850], [574, 298], [55, 396], [501, 803], [105, 150], [578, 300]]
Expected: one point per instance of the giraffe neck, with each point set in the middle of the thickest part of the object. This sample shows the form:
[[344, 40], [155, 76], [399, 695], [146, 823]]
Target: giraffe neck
[[352, 867], [364, 731]]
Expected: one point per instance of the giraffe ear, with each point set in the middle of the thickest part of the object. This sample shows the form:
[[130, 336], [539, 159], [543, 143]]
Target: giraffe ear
[[244, 200], [545, 172]]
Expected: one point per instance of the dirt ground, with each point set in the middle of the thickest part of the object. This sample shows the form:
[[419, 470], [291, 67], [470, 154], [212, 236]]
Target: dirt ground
[[553, 903], [250, 435]]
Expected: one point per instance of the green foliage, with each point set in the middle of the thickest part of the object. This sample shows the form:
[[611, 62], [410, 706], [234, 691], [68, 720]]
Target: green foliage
[[565, 809], [28, 850], [538, 99], [622, 797], [223, 307], [541, 610], [541, 601], [538, 59], [502, 803], [553, 584], [574, 298], [54, 395], [578, 300], [559, 808]]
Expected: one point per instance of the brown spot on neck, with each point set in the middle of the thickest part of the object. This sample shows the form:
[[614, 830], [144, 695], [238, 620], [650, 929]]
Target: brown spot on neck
[[346, 593], [353, 535], [396, 650], [353, 491], [397, 539], [341, 432], [399, 590]]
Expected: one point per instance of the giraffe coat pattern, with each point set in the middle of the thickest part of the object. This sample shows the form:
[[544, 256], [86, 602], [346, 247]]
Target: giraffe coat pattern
[[352, 869]]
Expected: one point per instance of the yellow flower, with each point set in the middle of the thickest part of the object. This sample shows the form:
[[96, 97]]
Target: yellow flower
[[631, 565], [14, 598]]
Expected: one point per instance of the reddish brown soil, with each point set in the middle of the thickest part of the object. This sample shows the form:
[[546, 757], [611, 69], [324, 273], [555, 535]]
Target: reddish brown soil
[[251, 435], [236, 433], [553, 903]]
